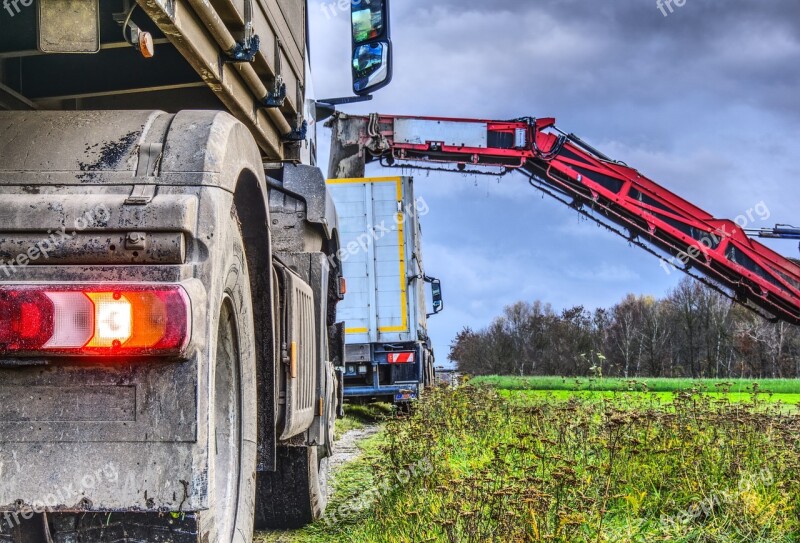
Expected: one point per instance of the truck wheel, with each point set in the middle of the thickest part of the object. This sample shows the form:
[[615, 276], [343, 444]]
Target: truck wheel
[[296, 494], [233, 433]]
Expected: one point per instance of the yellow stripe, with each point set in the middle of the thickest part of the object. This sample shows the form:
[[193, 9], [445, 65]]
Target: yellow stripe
[[358, 180], [402, 245], [356, 331]]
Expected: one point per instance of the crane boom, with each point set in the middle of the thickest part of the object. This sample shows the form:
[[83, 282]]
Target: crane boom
[[717, 251]]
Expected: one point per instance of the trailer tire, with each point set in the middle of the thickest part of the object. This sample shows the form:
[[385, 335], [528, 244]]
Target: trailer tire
[[294, 495]]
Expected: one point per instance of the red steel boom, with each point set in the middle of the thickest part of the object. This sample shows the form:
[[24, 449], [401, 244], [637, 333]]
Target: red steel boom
[[610, 192]]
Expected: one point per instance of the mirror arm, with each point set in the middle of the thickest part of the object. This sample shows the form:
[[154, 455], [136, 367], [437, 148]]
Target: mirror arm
[[326, 108], [345, 100]]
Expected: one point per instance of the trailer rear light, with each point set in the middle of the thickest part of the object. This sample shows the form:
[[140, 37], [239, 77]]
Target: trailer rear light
[[401, 358], [93, 321]]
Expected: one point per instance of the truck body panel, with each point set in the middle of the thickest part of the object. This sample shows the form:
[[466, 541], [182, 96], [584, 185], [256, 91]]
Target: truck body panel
[[131, 435]]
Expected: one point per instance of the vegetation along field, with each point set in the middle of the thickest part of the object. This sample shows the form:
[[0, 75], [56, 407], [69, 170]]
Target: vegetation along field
[[490, 461]]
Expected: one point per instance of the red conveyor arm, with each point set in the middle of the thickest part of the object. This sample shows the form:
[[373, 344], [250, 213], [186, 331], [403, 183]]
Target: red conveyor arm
[[609, 192]]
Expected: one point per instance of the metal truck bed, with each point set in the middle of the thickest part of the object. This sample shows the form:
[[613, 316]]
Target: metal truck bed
[[190, 67]]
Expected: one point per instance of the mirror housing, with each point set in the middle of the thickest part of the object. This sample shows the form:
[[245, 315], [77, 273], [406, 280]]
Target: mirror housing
[[372, 46], [436, 294]]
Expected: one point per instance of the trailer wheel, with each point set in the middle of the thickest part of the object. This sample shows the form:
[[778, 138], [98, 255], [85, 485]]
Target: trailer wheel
[[296, 493], [232, 447]]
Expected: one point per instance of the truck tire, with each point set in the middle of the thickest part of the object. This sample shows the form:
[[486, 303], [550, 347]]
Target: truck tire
[[232, 409], [296, 493]]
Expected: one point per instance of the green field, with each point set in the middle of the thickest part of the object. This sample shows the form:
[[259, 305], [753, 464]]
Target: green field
[[478, 464], [775, 386]]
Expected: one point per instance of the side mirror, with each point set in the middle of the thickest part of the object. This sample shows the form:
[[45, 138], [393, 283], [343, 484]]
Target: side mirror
[[436, 294], [372, 46]]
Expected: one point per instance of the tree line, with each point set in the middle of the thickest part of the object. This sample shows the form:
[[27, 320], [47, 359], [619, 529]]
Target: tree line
[[694, 332]]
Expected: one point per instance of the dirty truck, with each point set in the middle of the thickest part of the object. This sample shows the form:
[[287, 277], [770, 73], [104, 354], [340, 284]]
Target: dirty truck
[[169, 268], [388, 353]]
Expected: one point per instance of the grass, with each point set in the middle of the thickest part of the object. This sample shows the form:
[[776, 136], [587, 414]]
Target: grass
[[663, 398], [357, 417], [478, 464], [775, 386]]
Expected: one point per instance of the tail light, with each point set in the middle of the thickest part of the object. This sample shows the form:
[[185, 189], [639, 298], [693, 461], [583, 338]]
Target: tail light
[[93, 321]]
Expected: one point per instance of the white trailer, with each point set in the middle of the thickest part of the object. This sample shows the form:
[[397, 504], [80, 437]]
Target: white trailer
[[388, 351]]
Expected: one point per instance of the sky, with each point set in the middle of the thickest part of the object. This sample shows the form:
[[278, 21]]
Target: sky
[[703, 100]]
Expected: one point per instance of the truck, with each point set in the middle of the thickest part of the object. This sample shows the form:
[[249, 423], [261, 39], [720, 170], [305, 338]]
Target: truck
[[388, 353], [169, 269]]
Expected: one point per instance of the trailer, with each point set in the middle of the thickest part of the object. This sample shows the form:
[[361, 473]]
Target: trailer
[[388, 353]]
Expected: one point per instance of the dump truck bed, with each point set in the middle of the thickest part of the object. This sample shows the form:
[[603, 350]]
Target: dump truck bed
[[189, 70]]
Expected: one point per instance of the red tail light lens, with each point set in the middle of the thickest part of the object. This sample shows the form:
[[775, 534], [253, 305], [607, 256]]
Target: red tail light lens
[[87, 321]]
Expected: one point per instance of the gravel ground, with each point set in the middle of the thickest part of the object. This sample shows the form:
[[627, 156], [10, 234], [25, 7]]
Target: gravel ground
[[346, 449]]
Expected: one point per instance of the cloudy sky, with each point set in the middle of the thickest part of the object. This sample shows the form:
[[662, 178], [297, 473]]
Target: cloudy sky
[[703, 101]]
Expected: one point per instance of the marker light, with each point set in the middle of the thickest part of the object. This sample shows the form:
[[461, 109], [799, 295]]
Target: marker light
[[146, 45], [87, 321]]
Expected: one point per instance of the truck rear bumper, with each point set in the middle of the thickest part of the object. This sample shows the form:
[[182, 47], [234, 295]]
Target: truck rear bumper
[[410, 390], [48, 477]]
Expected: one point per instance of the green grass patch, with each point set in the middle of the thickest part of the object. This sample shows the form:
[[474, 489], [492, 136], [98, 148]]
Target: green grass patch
[[598, 466], [776, 386], [356, 416], [477, 464], [639, 397]]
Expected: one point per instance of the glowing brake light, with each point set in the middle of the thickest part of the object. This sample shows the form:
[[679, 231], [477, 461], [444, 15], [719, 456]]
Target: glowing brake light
[[87, 321]]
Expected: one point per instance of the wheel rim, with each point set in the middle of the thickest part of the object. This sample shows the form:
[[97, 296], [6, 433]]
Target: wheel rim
[[227, 425]]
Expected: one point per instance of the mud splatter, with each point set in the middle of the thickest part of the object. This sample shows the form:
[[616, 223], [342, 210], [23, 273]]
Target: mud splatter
[[111, 153]]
